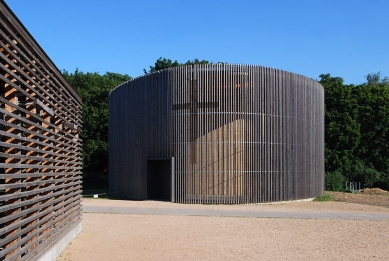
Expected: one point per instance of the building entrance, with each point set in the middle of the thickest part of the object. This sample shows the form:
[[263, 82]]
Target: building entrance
[[160, 179]]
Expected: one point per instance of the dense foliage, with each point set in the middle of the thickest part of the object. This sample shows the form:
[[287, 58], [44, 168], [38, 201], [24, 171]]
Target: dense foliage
[[356, 126], [163, 63], [93, 89], [356, 132]]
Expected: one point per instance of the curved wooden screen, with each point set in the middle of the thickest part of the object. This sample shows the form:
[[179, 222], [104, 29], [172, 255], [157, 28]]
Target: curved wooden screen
[[40, 149], [238, 134]]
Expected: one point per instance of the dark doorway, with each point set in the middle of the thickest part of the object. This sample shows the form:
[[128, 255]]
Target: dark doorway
[[160, 179]]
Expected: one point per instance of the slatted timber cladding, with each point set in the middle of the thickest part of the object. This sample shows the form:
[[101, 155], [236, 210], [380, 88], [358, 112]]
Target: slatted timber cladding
[[40, 148], [238, 134]]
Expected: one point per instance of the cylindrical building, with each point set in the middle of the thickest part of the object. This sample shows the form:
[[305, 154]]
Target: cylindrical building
[[217, 133]]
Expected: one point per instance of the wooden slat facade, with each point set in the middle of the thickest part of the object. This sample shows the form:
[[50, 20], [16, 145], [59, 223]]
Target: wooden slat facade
[[237, 133], [40, 149]]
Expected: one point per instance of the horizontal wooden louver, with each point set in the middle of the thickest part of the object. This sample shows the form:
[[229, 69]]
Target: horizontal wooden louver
[[40, 153]]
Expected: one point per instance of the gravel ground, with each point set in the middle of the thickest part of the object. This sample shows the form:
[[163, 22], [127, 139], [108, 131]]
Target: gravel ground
[[153, 237]]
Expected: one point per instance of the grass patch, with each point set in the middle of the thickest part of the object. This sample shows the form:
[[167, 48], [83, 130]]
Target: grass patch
[[325, 197]]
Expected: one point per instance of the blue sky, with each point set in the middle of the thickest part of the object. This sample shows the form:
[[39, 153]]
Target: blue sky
[[346, 38]]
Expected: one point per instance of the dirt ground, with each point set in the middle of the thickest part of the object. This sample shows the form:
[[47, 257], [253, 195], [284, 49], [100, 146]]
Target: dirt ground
[[372, 197], [163, 237]]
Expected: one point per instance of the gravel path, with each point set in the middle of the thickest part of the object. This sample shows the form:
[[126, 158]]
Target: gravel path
[[171, 237]]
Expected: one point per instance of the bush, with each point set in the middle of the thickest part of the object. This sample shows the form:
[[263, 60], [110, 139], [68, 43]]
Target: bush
[[334, 181], [368, 176]]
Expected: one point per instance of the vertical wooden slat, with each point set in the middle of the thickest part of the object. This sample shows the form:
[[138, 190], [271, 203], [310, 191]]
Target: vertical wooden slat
[[239, 134]]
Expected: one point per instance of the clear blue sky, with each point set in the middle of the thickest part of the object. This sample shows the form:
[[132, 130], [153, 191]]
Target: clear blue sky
[[346, 38]]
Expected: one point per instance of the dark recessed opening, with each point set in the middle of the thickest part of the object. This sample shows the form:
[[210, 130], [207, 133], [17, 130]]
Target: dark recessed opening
[[159, 179]]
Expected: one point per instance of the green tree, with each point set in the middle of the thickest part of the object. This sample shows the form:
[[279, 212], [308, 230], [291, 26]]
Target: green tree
[[357, 131], [374, 79], [368, 176], [373, 116], [342, 131], [94, 89], [163, 63]]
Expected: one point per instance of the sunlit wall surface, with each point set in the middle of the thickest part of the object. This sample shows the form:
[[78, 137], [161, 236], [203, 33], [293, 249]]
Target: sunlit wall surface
[[40, 149], [238, 134]]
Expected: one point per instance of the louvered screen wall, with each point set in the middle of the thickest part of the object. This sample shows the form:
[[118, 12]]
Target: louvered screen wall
[[239, 134], [40, 149]]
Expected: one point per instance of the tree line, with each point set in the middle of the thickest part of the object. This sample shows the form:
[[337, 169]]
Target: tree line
[[356, 126], [356, 131], [94, 89]]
